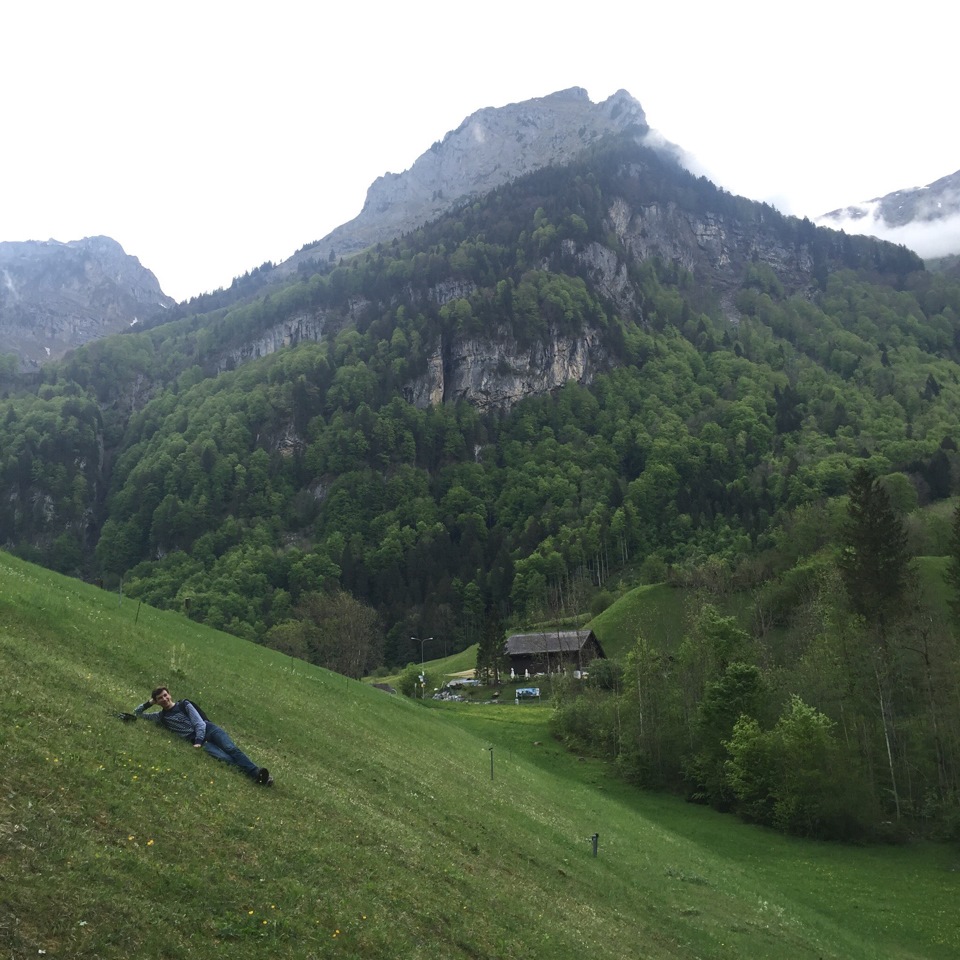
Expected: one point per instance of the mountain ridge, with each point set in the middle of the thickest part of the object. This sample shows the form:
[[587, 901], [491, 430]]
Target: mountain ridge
[[55, 296], [490, 147]]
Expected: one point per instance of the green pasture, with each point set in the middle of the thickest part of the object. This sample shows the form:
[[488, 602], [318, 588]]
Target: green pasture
[[657, 612], [395, 829]]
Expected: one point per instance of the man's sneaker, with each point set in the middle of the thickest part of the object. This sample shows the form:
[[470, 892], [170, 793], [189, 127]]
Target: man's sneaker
[[263, 777]]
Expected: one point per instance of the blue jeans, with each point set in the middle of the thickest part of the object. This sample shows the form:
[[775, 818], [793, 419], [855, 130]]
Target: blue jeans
[[218, 744]]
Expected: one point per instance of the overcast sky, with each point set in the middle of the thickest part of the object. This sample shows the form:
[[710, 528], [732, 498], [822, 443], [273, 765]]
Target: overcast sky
[[207, 137]]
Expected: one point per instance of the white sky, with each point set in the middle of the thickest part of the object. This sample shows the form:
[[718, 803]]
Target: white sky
[[207, 136]]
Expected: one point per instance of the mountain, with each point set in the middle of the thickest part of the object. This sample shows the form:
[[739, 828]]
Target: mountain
[[926, 219], [666, 348], [491, 147], [604, 372], [644, 207], [55, 296]]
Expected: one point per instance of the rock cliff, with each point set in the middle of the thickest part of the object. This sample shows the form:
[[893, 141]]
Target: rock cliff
[[55, 296], [299, 328], [713, 246], [490, 148], [494, 372]]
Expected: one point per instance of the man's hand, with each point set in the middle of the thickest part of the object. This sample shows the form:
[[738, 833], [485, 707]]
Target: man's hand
[[127, 717]]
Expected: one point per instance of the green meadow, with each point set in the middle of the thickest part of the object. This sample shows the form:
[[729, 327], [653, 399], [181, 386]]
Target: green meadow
[[395, 828], [657, 612]]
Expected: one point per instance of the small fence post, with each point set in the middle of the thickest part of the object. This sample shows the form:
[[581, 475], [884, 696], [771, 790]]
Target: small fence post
[[595, 840]]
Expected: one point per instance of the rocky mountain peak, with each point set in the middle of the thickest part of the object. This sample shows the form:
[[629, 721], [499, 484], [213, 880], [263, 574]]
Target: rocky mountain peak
[[491, 146], [55, 296]]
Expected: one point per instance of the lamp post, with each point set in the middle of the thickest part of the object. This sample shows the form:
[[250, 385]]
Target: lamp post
[[423, 681], [421, 642]]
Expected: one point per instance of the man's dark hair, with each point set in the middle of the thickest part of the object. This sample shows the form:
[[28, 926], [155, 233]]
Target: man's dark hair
[[156, 693]]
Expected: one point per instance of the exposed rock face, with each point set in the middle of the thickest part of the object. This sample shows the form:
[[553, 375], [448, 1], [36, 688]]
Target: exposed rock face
[[492, 146], [300, 328], [55, 296], [495, 372], [709, 245], [926, 219]]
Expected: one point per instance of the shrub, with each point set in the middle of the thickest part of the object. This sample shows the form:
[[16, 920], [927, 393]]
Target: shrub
[[409, 681], [796, 777], [588, 723]]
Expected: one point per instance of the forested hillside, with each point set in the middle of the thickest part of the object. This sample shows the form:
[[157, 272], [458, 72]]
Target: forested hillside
[[723, 395], [601, 374]]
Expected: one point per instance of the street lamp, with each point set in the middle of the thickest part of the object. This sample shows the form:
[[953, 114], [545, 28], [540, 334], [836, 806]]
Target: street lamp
[[421, 642], [423, 676]]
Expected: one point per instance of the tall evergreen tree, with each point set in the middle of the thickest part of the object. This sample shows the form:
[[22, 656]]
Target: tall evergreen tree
[[875, 568], [490, 659], [874, 562], [952, 573]]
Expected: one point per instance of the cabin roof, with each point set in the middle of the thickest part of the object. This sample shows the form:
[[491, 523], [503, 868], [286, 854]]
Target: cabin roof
[[555, 641]]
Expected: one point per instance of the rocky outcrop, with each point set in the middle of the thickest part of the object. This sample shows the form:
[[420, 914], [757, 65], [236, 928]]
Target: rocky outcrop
[[496, 371], [300, 328], [490, 148], [56, 296], [709, 245], [609, 274]]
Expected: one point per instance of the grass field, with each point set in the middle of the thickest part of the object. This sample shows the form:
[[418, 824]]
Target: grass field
[[393, 829], [657, 612], [663, 614]]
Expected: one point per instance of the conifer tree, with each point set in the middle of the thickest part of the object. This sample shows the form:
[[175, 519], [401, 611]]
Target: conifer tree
[[490, 649], [874, 562], [952, 573], [875, 569]]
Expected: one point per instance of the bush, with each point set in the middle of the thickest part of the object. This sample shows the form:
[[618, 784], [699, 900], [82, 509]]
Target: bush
[[600, 602], [796, 777], [588, 723], [409, 681], [604, 675], [653, 570]]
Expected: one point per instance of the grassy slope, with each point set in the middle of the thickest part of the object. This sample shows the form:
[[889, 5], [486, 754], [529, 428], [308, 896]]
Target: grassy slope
[[657, 612], [385, 834], [660, 612]]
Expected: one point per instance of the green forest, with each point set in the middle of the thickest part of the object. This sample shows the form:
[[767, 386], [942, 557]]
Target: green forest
[[822, 703], [732, 423]]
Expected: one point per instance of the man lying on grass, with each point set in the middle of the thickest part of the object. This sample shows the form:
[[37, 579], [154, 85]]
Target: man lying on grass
[[181, 717]]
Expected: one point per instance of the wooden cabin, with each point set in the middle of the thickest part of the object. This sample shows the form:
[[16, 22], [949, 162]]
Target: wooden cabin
[[553, 652]]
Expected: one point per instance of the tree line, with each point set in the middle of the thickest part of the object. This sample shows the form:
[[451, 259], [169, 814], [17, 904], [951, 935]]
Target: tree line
[[841, 723]]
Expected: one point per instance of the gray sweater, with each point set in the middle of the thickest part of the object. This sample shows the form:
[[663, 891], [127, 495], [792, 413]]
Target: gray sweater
[[181, 719]]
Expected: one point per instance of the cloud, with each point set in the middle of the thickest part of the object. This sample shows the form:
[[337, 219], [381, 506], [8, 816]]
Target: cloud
[[928, 238]]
